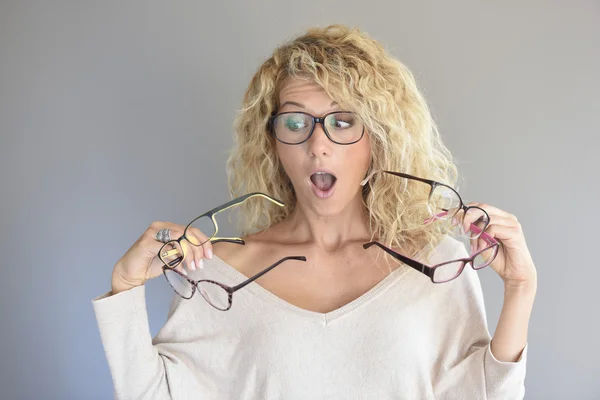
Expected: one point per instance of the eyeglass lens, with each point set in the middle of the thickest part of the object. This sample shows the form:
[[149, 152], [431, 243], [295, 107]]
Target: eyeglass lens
[[213, 293], [444, 203]]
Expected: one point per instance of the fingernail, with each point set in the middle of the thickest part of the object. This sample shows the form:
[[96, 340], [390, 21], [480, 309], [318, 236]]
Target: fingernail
[[183, 271], [193, 265], [209, 254], [453, 221], [201, 264]]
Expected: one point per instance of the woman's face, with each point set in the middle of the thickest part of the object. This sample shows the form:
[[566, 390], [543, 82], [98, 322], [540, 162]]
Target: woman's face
[[326, 176]]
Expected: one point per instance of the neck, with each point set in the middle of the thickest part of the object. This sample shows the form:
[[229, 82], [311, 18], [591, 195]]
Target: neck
[[330, 232]]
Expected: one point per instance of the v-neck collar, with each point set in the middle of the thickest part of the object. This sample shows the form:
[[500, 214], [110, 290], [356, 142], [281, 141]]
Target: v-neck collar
[[324, 318]]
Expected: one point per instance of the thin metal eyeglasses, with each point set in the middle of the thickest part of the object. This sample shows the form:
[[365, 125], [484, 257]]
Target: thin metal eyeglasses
[[296, 127], [444, 203], [449, 270]]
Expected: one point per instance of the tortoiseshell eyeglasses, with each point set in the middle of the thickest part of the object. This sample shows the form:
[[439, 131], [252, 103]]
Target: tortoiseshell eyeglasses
[[217, 294], [201, 230]]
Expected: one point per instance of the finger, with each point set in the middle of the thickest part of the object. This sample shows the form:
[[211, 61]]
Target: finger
[[176, 230], [474, 216], [495, 225], [192, 253], [456, 218], [170, 251], [208, 250], [506, 234], [457, 222], [479, 244], [200, 250], [150, 234], [188, 255], [504, 221]]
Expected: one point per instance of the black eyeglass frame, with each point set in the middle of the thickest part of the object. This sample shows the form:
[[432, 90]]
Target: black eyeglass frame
[[433, 184], [315, 121], [164, 252]]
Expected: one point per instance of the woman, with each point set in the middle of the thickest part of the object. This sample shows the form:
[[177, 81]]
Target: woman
[[326, 111]]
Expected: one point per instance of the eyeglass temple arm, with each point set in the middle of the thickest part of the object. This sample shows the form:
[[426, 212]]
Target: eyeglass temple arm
[[218, 209], [408, 261], [443, 214], [487, 238], [433, 218], [474, 228], [255, 277], [175, 261], [400, 174], [235, 240], [242, 199], [233, 203]]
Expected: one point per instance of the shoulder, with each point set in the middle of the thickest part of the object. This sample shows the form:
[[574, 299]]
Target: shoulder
[[242, 257]]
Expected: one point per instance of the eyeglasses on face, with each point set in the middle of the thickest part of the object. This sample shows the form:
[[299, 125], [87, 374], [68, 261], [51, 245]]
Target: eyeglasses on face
[[449, 270], [444, 203], [217, 294], [341, 127]]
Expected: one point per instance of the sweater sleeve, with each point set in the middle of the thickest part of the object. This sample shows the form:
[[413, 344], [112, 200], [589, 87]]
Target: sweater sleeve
[[139, 368], [470, 370]]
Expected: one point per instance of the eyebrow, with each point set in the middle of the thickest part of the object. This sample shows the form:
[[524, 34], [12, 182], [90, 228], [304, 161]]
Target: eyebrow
[[293, 103]]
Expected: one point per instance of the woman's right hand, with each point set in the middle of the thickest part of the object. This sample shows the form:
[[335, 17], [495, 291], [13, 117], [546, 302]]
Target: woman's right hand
[[141, 263]]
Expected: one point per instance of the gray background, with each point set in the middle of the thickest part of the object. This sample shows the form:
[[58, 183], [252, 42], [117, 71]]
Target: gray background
[[101, 101]]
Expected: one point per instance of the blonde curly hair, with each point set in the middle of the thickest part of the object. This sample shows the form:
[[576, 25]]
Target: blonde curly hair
[[361, 76]]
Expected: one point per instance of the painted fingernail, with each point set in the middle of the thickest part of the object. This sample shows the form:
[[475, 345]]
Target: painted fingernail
[[201, 264], [453, 221], [183, 271], [209, 254], [193, 265]]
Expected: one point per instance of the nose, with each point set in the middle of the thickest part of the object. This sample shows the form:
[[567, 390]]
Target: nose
[[319, 144]]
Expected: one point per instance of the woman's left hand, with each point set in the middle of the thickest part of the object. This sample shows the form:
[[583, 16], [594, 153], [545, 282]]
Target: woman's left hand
[[513, 262]]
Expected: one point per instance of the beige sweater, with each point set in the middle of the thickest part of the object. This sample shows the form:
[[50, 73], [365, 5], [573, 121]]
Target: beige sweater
[[406, 338]]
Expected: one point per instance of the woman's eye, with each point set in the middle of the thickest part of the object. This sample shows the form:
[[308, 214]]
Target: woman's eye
[[294, 124], [340, 123]]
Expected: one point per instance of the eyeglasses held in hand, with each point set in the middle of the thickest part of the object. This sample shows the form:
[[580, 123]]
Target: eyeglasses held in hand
[[449, 270], [204, 229], [444, 203], [217, 294], [198, 232]]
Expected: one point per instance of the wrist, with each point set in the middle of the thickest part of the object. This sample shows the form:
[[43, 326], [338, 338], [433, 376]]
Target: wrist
[[119, 284], [525, 288]]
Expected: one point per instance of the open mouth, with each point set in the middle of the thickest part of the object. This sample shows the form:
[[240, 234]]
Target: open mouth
[[323, 181]]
